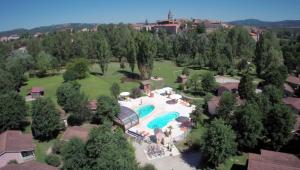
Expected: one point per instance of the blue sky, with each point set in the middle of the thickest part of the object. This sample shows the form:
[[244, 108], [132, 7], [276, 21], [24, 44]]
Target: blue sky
[[32, 13]]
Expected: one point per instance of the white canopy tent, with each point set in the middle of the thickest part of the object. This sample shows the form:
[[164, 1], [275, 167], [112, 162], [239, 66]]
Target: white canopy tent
[[175, 96], [167, 89], [124, 94]]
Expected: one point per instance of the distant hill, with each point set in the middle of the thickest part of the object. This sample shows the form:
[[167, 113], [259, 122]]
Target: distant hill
[[268, 24], [51, 28]]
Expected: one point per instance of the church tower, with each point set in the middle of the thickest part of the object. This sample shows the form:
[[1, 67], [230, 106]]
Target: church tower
[[170, 15]]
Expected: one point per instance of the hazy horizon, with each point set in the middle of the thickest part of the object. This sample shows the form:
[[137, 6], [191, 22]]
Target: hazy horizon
[[33, 13]]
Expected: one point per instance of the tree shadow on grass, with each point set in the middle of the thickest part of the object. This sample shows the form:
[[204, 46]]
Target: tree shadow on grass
[[96, 73], [129, 74], [238, 167]]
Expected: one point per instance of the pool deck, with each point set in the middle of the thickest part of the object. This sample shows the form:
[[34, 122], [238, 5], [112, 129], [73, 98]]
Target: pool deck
[[161, 107]]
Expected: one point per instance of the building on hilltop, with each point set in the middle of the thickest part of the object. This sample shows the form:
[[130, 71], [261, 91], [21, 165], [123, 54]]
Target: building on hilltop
[[170, 15]]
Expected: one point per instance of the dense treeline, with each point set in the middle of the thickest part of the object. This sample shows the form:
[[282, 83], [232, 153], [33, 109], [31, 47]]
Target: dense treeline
[[226, 51]]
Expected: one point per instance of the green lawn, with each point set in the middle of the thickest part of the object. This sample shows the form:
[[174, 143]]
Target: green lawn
[[92, 86], [41, 149], [238, 160], [95, 85]]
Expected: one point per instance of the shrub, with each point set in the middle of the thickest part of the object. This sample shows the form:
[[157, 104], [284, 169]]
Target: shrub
[[232, 72], [57, 146], [74, 120], [136, 93], [53, 160], [181, 86], [185, 71], [148, 167], [76, 70]]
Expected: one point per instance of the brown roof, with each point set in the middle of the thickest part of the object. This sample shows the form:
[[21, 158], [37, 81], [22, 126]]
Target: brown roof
[[294, 102], [293, 80], [76, 131], [37, 89], [15, 141], [270, 160], [30, 165], [230, 85], [288, 88], [215, 101]]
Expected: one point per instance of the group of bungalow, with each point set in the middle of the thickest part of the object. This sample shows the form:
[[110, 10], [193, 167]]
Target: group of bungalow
[[17, 150], [267, 160], [292, 83]]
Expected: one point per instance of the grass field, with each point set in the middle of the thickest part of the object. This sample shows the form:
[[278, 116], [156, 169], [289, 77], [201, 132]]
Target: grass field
[[95, 85], [234, 161], [41, 149]]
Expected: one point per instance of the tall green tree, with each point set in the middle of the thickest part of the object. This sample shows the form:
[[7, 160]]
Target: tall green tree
[[65, 92], [278, 124], [146, 53], [208, 82], [196, 115], [104, 151], [34, 46], [43, 62], [268, 53], [17, 65], [107, 109], [248, 125], [73, 154], [45, 119], [6, 81], [131, 53], [219, 142], [246, 87], [76, 70], [226, 106], [242, 44], [273, 94], [103, 53], [115, 90], [73, 101], [276, 76], [194, 83], [79, 110], [12, 111]]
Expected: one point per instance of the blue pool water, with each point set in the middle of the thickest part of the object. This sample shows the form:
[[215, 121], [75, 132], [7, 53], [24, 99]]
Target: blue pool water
[[145, 110], [162, 120]]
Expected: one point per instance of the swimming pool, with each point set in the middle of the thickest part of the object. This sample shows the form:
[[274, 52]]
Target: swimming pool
[[145, 110], [162, 120]]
